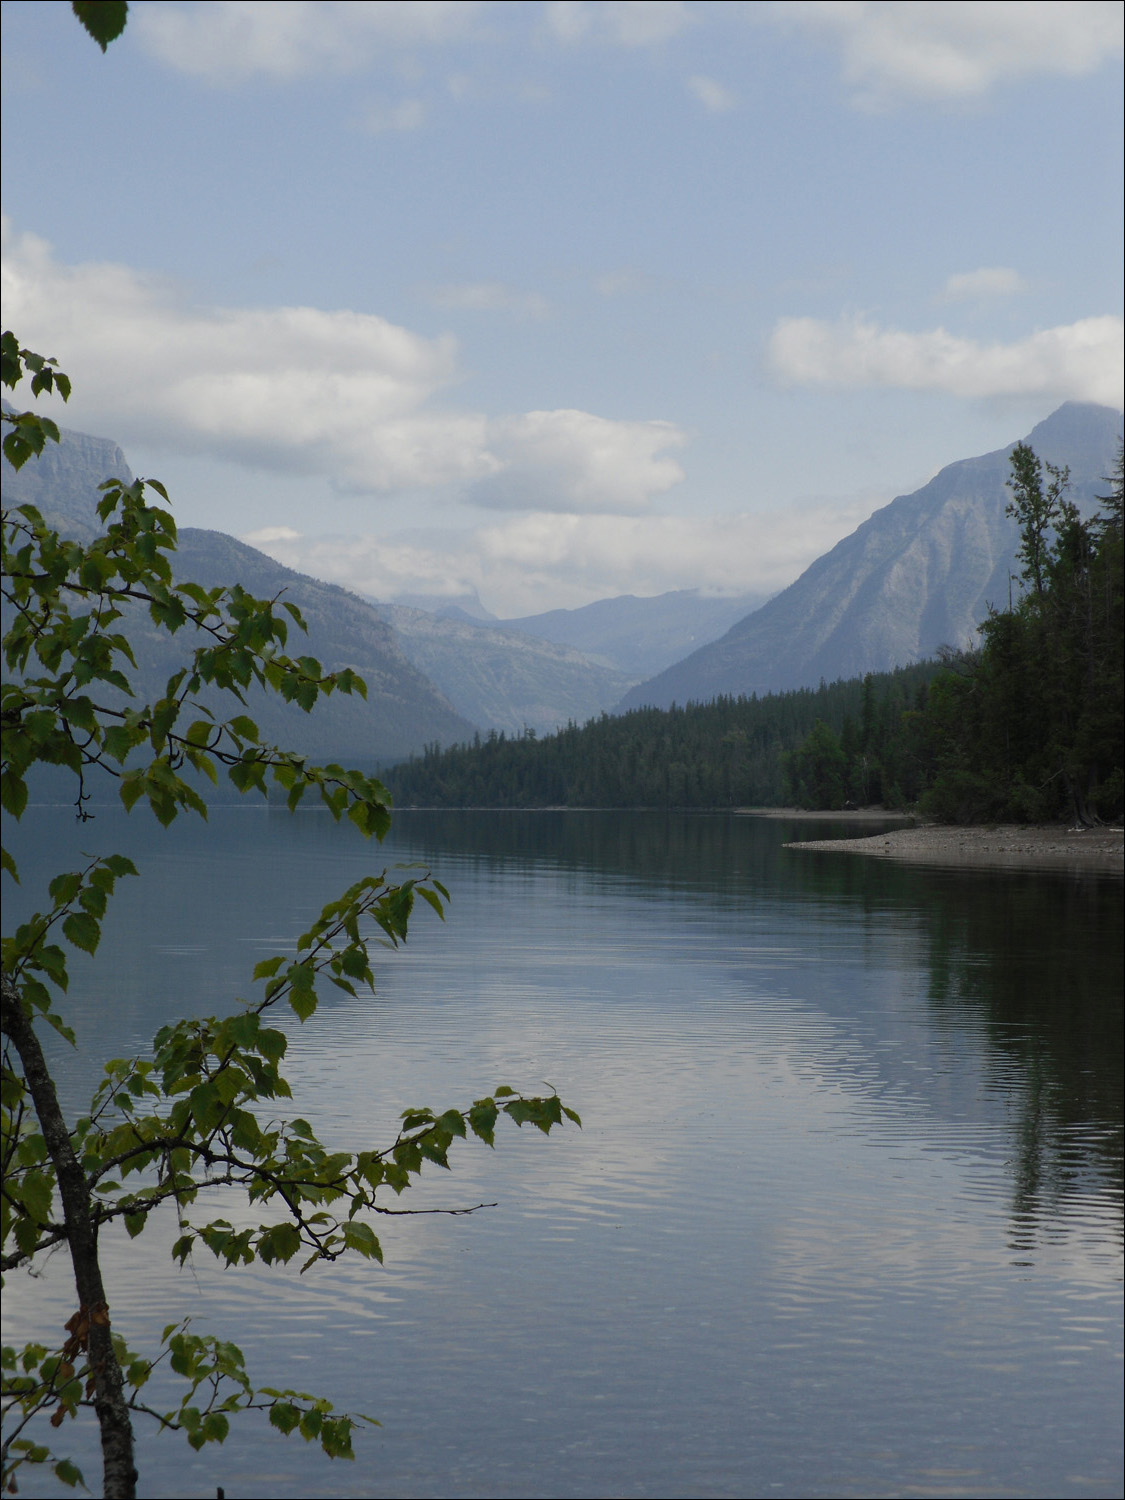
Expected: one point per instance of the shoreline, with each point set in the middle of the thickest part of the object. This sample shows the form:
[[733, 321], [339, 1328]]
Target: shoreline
[[1008, 846], [843, 815]]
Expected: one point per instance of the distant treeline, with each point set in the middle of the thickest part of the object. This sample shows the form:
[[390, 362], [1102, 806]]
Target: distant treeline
[[1027, 727], [1030, 725], [731, 752]]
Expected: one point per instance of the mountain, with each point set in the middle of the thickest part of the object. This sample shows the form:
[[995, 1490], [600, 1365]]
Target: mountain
[[429, 676], [62, 483], [638, 636], [920, 573], [403, 710], [504, 679], [454, 606]]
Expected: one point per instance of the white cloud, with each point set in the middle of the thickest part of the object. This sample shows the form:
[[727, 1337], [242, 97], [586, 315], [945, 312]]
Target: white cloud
[[572, 461], [487, 296], [713, 96], [270, 535], [1079, 361], [989, 281], [959, 49], [408, 114], [569, 20], [622, 283], [224, 40], [525, 564], [342, 394], [627, 23]]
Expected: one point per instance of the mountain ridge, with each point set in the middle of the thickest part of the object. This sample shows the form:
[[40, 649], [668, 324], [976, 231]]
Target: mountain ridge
[[429, 678], [403, 709], [635, 634], [918, 574]]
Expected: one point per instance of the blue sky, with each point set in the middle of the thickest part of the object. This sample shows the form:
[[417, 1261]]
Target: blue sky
[[560, 301]]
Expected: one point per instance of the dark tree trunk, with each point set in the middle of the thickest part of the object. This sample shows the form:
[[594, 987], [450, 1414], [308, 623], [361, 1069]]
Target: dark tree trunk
[[92, 1323]]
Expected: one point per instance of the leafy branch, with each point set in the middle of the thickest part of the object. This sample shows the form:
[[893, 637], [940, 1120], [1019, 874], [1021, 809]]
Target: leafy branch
[[194, 1114]]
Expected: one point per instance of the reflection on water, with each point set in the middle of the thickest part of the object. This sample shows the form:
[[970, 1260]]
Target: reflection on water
[[845, 1217]]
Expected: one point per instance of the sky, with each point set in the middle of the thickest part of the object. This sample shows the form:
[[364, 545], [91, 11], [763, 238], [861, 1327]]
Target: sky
[[559, 301]]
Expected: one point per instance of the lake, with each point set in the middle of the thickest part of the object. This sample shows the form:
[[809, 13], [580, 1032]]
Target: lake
[[845, 1216]]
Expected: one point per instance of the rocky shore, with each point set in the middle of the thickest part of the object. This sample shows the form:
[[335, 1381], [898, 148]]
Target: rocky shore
[[1051, 846]]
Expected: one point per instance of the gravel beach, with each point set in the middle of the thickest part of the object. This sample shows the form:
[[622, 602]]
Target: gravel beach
[[1051, 846]]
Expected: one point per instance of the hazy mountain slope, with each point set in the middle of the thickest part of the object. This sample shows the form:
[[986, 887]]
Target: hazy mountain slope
[[491, 680], [504, 680], [403, 710], [918, 574], [638, 636], [62, 483], [455, 606]]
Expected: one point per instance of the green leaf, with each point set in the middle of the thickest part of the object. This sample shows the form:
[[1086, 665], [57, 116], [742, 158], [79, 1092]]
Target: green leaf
[[68, 1473], [13, 793], [336, 1437], [206, 1106], [353, 961], [132, 789], [215, 1428], [482, 1120], [83, 930], [284, 1416], [310, 1424], [302, 997], [36, 1191], [361, 1237], [272, 1044], [279, 1243], [433, 899], [103, 19]]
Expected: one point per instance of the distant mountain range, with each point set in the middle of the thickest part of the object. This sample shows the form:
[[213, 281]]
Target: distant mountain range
[[639, 636], [919, 574], [543, 671], [504, 679], [403, 709], [429, 679]]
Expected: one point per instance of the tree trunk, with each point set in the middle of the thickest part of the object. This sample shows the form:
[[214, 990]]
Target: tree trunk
[[119, 1471]]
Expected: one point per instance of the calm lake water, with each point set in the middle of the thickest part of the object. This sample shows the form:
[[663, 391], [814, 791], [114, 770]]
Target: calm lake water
[[845, 1217]]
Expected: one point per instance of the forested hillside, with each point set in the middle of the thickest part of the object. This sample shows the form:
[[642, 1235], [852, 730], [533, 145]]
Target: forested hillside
[[918, 575], [727, 753], [502, 679], [1028, 726], [403, 708]]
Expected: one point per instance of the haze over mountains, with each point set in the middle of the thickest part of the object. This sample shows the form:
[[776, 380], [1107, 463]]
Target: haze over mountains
[[403, 708], [437, 674], [639, 636], [919, 574], [504, 679], [429, 679]]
